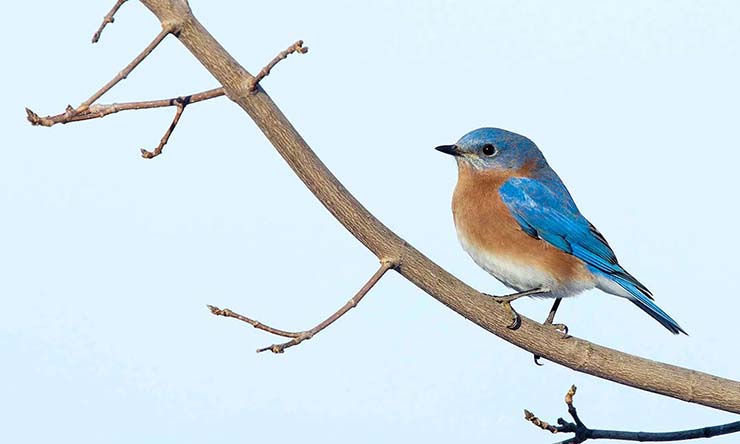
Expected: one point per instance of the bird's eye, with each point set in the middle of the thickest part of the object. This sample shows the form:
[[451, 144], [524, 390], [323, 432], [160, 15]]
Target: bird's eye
[[488, 149]]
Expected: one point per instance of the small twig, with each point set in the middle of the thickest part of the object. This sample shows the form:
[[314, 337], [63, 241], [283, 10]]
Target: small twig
[[181, 104], [71, 114], [298, 337], [256, 324], [583, 433], [97, 111], [107, 19], [544, 425], [127, 70], [295, 47]]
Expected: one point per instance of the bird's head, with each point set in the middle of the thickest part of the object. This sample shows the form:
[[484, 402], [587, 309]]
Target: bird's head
[[495, 149]]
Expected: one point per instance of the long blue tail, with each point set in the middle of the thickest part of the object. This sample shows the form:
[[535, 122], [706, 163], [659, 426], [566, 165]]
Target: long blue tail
[[643, 300]]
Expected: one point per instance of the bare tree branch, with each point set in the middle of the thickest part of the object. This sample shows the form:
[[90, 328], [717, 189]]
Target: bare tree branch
[[96, 111], [227, 313], [577, 354], [583, 433], [89, 110], [107, 19], [181, 103], [282, 55], [70, 113], [166, 30], [298, 337]]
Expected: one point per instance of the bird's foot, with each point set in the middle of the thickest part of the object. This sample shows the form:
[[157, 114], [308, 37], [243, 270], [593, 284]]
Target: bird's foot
[[516, 320], [560, 328], [506, 301]]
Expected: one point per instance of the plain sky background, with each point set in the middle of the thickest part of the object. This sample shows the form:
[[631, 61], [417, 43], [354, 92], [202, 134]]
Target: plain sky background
[[108, 260]]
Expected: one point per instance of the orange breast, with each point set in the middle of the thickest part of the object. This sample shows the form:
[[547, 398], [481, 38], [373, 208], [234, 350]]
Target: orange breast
[[482, 219]]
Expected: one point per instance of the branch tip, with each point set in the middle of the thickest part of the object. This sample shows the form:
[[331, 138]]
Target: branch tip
[[264, 72], [109, 18], [529, 416], [32, 117], [569, 395]]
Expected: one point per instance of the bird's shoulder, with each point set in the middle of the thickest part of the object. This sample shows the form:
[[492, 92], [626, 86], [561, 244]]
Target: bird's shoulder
[[544, 209], [539, 192]]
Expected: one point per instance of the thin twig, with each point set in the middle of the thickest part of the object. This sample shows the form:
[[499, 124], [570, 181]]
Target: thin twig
[[256, 324], [127, 70], [181, 104], [96, 111], [70, 113], [295, 47], [544, 425], [107, 19], [583, 433], [298, 337]]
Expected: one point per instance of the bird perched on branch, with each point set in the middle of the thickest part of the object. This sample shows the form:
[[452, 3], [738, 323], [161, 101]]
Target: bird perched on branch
[[518, 222]]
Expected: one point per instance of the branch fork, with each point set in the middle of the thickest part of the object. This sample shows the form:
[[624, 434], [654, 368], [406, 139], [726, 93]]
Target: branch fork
[[298, 337], [90, 110]]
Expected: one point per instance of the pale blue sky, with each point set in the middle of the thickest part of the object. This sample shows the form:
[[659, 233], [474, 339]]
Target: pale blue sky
[[109, 259]]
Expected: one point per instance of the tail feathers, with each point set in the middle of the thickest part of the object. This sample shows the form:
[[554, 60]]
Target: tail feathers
[[643, 300]]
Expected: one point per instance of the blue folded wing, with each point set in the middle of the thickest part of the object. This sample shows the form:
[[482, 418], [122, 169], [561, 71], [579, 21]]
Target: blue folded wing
[[545, 210]]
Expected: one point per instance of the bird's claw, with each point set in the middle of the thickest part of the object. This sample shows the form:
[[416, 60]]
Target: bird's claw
[[560, 328], [516, 320]]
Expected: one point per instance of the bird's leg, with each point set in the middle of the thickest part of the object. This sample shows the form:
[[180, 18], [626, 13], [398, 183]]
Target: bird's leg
[[549, 321], [509, 298], [551, 317]]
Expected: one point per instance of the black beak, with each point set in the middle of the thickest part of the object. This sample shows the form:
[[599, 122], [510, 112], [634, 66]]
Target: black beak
[[449, 149]]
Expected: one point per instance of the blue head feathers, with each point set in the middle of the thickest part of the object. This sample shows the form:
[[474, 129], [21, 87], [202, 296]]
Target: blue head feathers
[[494, 148]]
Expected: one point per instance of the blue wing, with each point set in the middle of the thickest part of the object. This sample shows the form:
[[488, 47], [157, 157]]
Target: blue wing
[[544, 209]]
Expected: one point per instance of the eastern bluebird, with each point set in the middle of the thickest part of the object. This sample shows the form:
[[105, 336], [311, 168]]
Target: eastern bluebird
[[518, 222]]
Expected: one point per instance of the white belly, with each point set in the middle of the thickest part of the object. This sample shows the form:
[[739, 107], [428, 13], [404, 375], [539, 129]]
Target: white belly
[[522, 277]]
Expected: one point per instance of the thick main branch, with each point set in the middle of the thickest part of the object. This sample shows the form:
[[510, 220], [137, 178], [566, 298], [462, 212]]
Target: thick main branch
[[574, 353]]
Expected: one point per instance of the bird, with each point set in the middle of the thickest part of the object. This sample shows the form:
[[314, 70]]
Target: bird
[[516, 219]]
